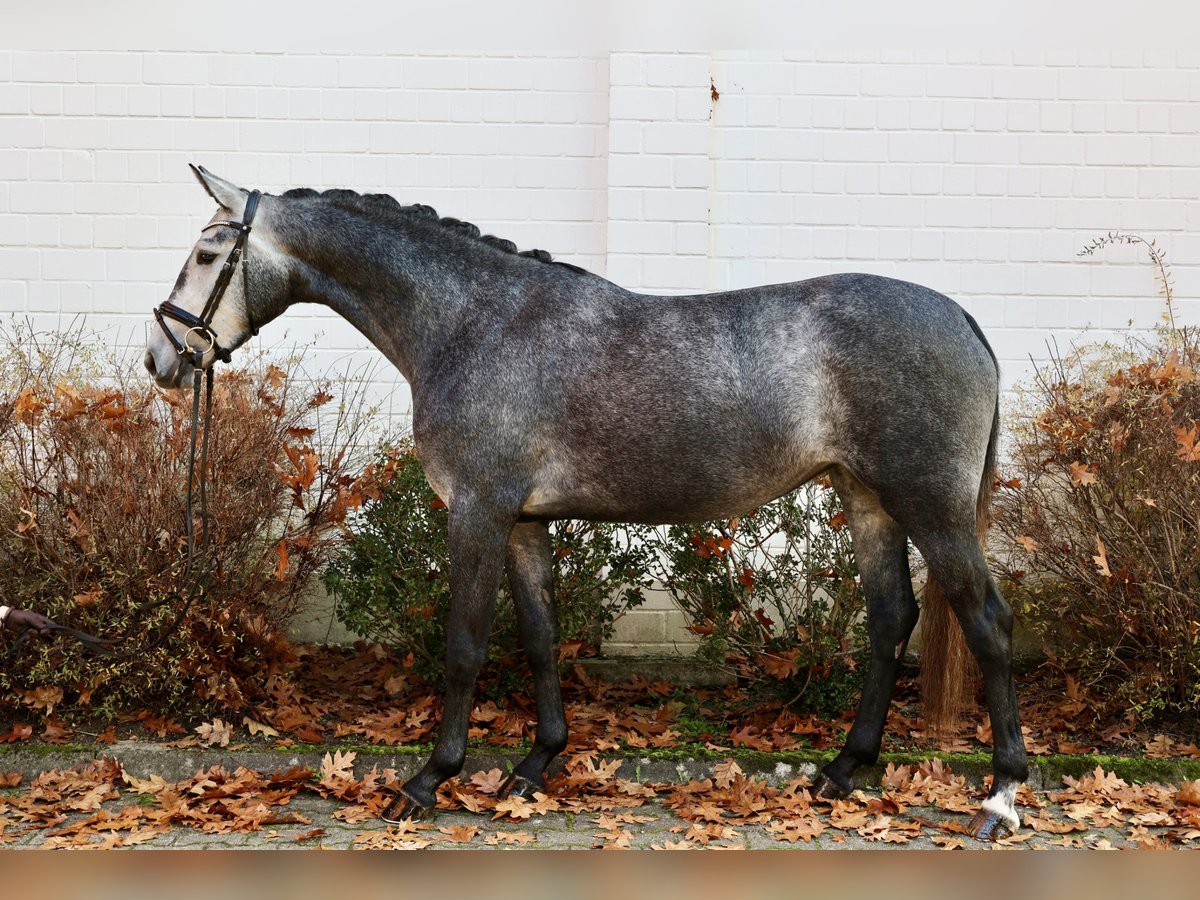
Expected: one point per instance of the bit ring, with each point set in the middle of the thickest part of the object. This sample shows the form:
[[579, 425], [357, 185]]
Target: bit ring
[[203, 332]]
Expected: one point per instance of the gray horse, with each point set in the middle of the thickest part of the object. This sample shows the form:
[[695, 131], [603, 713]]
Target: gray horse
[[542, 391]]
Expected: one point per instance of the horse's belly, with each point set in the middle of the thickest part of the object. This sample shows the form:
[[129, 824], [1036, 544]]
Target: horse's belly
[[631, 487]]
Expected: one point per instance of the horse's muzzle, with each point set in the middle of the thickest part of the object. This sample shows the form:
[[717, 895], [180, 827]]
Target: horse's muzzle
[[173, 377]]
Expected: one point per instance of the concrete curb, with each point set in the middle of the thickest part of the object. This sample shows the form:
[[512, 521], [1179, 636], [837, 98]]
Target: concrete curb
[[143, 759]]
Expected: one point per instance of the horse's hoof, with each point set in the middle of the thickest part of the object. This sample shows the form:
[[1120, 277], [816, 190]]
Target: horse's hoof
[[989, 826], [519, 786], [405, 809], [827, 789]]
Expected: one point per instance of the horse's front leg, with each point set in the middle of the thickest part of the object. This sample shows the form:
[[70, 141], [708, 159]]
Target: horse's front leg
[[477, 537], [530, 575]]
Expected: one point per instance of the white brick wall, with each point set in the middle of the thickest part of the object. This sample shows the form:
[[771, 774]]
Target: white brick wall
[[658, 171], [979, 174]]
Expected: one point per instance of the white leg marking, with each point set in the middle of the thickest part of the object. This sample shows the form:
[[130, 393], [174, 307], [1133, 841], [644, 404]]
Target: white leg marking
[[1003, 805]]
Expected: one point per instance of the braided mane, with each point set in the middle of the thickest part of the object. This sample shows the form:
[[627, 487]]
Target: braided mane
[[386, 208]]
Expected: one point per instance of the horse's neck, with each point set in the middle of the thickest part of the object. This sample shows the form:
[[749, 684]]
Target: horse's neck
[[400, 295]]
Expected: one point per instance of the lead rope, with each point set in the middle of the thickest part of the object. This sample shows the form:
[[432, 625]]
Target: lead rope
[[193, 580]]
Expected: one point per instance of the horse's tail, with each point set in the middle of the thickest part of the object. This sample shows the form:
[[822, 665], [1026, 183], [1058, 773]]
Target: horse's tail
[[947, 668]]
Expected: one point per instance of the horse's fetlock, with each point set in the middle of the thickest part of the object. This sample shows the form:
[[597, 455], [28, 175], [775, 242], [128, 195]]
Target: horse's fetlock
[[553, 738]]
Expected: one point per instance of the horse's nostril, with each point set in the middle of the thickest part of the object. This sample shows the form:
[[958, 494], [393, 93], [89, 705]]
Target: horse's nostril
[[149, 360]]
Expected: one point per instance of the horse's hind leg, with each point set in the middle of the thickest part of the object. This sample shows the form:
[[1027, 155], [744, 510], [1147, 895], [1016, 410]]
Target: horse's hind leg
[[881, 552], [477, 538], [530, 575], [957, 562]]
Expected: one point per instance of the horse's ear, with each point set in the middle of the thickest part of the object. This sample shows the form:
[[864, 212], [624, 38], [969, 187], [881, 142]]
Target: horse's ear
[[228, 194]]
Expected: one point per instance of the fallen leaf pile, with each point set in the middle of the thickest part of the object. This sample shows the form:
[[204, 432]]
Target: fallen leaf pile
[[366, 695], [101, 806], [213, 801]]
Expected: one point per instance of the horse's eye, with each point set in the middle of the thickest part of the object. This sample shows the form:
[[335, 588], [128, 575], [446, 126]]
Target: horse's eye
[[204, 257]]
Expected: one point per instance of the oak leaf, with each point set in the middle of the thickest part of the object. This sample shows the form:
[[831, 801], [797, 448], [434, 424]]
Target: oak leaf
[[948, 843], [488, 782], [281, 560], [216, 732], [1189, 793], [459, 834], [671, 845], [509, 837], [725, 772], [259, 728], [275, 376], [337, 767], [780, 665], [1082, 474], [45, 697], [1189, 449]]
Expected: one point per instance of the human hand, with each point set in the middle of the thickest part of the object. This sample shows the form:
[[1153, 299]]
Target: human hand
[[21, 619]]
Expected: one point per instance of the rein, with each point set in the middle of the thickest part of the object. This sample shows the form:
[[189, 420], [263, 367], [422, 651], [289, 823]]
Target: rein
[[193, 579]]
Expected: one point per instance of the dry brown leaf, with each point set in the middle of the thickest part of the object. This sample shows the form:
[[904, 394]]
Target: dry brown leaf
[[725, 772], [488, 782], [948, 843], [1101, 559], [259, 728], [216, 732], [509, 837], [1082, 474], [459, 834], [1189, 793]]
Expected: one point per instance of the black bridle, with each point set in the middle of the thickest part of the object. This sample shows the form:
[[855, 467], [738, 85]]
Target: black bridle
[[202, 324], [193, 579]]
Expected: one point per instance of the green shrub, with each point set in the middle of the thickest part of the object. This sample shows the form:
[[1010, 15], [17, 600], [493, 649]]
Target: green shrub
[[776, 592], [391, 581]]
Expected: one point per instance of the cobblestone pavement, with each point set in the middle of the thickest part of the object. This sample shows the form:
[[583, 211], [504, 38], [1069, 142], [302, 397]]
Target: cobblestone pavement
[[551, 831]]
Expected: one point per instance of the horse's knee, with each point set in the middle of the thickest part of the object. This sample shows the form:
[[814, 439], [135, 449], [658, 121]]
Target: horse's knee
[[894, 619], [464, 659]]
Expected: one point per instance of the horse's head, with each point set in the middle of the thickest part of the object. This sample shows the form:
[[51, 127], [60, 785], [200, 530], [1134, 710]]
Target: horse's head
[[226, 289]]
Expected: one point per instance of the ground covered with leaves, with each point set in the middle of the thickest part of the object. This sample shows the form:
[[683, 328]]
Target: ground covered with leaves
[[365, 695], [337, 698], [100, 806]]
